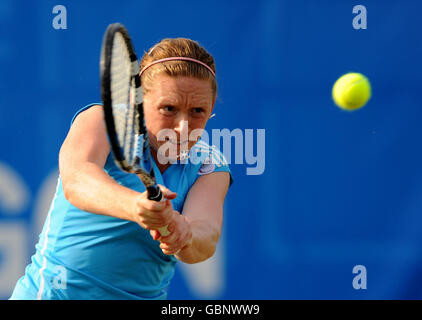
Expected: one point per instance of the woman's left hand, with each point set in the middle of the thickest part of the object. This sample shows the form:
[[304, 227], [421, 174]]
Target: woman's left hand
[[180, 235]]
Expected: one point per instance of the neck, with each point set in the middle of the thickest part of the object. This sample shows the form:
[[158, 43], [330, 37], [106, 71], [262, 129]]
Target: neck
[[161, 167]]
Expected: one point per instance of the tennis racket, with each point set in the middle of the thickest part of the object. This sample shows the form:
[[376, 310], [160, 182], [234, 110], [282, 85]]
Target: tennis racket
[[123, 112]]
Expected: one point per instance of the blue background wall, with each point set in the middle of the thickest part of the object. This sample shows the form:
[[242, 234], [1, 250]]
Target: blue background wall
[[340, 189]]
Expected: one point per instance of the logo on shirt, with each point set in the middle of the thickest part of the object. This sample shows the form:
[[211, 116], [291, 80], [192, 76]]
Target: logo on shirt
[[206, 168]]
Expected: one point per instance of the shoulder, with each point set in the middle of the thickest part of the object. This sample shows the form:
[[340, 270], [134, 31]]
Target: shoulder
[[87, 135], [207, 156], [205, 159], [92, 107]]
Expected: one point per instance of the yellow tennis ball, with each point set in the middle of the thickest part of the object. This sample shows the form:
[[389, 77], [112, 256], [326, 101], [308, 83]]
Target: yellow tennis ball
[[351, 91]]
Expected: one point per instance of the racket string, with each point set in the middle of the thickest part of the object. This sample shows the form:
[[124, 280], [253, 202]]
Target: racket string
[[127, 111], [121, 96]]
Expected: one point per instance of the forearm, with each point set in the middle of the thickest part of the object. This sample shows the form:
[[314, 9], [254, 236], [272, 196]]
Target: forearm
[[89, 188], [203, 244]]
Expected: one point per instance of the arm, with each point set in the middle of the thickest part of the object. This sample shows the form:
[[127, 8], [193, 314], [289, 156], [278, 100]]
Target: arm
[[201, 221], [88, 187]]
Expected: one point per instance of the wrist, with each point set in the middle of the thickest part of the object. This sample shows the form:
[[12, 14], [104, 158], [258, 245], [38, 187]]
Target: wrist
[[189, 242], [134, 210]]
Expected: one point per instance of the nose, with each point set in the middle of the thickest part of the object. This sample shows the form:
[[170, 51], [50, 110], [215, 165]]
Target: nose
[[182, 126]]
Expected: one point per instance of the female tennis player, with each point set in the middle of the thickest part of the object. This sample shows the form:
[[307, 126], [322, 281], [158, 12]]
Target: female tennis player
[[99, 240]]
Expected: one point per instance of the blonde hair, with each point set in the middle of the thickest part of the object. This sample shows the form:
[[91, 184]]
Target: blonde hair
[[178, 47]]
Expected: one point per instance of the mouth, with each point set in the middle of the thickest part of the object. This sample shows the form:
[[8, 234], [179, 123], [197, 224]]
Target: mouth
[[177, 142]]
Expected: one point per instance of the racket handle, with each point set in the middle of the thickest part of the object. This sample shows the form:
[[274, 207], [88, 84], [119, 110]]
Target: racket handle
[[154, 193], [164, 232]]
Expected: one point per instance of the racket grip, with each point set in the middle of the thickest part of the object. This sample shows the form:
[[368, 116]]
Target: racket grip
[[164, 232], [155, 194]]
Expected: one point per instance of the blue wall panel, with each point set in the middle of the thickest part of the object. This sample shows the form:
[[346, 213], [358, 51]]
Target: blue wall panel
[[340, 189]]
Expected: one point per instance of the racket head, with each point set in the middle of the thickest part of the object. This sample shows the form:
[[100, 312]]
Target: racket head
[[122, 99]]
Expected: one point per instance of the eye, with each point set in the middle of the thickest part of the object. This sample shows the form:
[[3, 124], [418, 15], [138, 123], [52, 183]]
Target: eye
[[168, 110], [198, 111]]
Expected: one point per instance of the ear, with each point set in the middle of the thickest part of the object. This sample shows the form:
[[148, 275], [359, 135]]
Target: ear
[[213, 103], [212, 109]]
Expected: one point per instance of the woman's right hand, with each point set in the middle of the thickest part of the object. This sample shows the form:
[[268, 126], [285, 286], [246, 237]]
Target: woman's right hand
[[150, 214]]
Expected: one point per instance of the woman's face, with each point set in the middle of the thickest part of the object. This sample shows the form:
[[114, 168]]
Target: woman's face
[[176, 109]]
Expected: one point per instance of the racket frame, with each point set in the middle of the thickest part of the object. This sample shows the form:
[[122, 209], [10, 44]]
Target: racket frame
[[142, 164]]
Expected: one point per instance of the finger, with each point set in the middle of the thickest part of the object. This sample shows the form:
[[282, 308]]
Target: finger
[[167, 193], [171, 227], [176, 243], [152, 205], [173, 244], [167, 252], [171, 238], [152, 222], [170, 251], [154, 234]]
